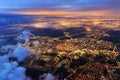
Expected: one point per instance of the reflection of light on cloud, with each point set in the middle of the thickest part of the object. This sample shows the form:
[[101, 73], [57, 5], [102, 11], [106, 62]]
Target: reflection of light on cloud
[[69, 23], [41, 25], [88, 28], [65, 23], [96, 22]]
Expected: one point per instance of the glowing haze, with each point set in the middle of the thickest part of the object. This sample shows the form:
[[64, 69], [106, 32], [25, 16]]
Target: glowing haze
[[61, 7]]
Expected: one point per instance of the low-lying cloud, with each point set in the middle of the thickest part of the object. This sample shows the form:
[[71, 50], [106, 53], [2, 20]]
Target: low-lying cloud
[[11, 70]]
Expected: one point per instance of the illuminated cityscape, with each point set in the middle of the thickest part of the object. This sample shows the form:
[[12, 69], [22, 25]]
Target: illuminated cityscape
[[59, 40]]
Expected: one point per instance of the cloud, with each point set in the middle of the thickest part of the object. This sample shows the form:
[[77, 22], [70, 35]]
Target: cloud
[[21, 52], [3, 59], [49, 76], [8, 48], [11, 70], [18, 51], [24, 36]]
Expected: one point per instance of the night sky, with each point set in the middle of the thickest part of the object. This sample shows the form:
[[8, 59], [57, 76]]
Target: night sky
[[82, 7]]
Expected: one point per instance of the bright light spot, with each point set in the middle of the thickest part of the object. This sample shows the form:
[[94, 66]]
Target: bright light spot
[[88, 28], [96, 22], [41, 25]]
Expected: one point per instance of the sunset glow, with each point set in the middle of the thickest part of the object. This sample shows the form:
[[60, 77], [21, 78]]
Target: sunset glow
[[89, 13], [61, 7]]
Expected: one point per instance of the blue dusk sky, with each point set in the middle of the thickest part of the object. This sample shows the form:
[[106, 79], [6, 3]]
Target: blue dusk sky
[[92, 7]]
